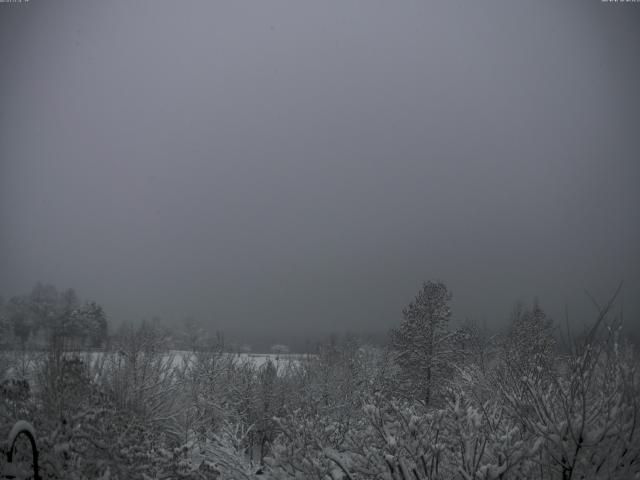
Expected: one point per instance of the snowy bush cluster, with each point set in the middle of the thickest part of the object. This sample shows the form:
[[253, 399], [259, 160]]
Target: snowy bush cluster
[[517, 405], [508, 420]]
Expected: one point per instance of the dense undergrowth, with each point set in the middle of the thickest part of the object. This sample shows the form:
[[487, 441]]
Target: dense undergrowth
[[506, 409]]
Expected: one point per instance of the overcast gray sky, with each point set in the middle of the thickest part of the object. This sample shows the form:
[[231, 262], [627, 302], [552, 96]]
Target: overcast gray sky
[[307, 164]]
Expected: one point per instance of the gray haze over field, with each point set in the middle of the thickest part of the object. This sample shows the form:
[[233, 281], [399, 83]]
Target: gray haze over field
[[305, 166]]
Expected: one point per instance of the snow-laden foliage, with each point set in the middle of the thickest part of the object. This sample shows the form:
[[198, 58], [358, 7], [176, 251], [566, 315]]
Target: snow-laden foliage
[[586, 418], [511, 406], [515, 409]]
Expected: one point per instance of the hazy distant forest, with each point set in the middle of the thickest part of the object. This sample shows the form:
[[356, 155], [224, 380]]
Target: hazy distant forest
[[143, 402]]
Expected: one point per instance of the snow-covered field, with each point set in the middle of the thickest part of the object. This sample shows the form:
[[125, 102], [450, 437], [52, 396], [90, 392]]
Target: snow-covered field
[[280, 361], [19, 364]]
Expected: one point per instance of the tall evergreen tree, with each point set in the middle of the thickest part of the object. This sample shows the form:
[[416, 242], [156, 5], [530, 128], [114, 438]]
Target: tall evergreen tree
[[419, 336]]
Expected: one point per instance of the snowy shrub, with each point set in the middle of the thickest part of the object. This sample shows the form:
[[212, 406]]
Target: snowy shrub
[[585, 419], [507, 408], [141, 376]]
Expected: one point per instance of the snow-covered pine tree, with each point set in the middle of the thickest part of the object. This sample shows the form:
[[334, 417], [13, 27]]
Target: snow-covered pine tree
[[529, 344], [418, 338]]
